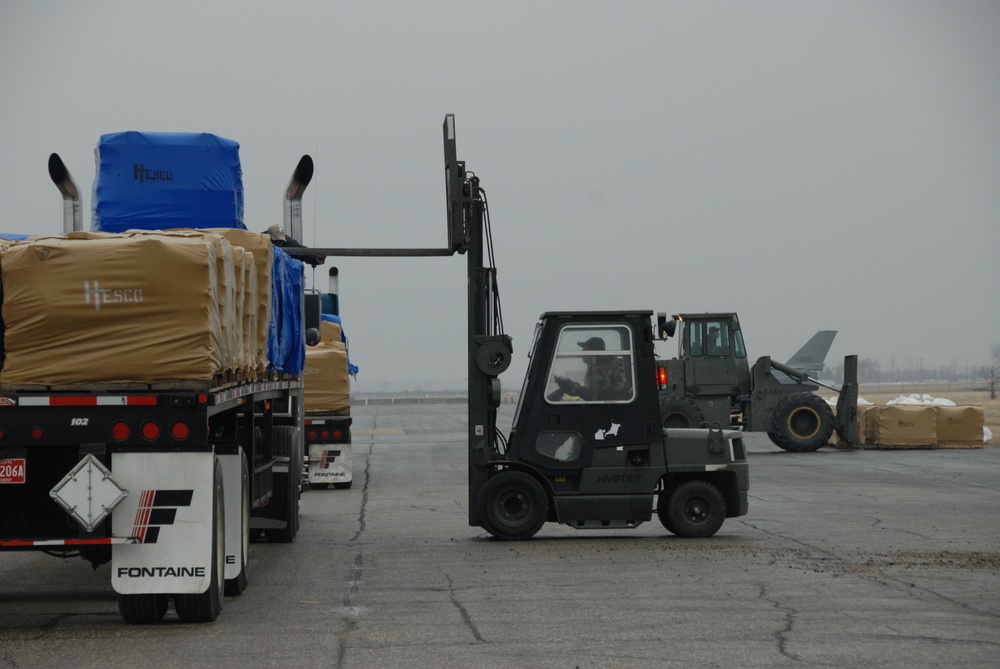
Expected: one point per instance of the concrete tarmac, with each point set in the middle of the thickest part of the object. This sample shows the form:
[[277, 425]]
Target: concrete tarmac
[[846, 559]]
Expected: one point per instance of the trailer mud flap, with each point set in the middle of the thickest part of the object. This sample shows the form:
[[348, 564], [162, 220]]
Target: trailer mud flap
[[236, 486], [329, 463], [169, 511]]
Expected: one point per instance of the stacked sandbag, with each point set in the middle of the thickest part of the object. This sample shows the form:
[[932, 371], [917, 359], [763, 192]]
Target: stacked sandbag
[[258, 269], [91, 308], [906, 426], [326, 372]]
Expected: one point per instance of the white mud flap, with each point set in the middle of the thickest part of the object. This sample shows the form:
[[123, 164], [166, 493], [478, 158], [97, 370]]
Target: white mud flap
[[169, 510], [330, 463], [235, 481]]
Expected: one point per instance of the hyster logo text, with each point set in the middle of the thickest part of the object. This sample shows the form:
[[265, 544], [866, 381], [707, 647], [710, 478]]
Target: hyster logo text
[[94, 294], [142, 175], [160, 572], [619, 478]]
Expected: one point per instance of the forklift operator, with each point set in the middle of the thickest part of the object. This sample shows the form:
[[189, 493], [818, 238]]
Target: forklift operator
[[605, 380]]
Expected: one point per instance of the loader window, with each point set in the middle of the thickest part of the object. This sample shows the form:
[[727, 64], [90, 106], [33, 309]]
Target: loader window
[[741, 351], [708, 338], [592, 364]]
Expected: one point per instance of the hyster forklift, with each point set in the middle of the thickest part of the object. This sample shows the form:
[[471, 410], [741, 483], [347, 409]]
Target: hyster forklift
[[582, 451]]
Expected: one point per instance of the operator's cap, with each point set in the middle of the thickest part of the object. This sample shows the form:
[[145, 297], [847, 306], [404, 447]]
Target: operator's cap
[[277, 233], [592, 344]]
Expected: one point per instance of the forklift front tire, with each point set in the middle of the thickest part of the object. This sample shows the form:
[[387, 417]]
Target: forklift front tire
[[513, 506], [695, 509]]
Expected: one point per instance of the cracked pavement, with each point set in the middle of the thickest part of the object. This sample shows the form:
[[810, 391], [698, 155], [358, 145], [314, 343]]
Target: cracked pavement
[[846, 559]]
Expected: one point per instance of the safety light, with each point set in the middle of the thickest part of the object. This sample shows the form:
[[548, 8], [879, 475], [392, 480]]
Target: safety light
[[337, 435], [661, 377], [37, 433], [121, 431], [180, 431], [150, 430]]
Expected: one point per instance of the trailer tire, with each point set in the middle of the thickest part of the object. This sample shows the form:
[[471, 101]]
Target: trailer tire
[[143, 609], [680, 412], [695, 509], [513, 506], [801, 423], [236, 586], [206, 607], [285, 445]]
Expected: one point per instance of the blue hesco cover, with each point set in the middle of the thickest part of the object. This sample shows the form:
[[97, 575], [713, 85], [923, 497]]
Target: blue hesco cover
[[160, 180], [333, 318], [286, 346]]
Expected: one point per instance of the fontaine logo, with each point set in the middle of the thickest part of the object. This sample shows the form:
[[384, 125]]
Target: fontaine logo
[[94, 294], [158, 508], [141, 174]]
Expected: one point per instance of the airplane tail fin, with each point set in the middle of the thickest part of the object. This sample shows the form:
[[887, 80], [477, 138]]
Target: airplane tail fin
[[811, 356]]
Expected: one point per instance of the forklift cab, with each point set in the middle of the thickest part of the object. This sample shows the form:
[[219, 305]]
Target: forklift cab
[[588, 394]]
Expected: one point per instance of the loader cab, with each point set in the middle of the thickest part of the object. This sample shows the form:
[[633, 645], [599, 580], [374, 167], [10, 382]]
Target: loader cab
[[713, 354], [589, 395]]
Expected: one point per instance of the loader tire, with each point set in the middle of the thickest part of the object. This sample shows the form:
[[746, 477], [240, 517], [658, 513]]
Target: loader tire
[[802, 423], [513, 506], [680, 412]]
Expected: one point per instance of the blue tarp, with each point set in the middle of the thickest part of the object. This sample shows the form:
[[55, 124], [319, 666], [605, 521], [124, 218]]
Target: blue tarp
[[286, 348], [159, 180], [333, 318]]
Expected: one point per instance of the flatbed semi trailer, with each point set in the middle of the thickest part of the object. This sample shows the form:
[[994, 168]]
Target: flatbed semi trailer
[[169, 485]]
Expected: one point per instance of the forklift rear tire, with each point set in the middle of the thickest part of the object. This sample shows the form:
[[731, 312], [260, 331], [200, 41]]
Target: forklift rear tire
[[513, 506], [802, 423], [681, 412], [695, 509]]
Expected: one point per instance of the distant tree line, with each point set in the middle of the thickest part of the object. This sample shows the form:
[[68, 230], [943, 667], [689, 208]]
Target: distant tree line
[[871, 370]]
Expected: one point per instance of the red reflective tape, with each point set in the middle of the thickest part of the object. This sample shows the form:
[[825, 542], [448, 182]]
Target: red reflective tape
[[73, 400], [147, 400], [85, 542], [16, 542]]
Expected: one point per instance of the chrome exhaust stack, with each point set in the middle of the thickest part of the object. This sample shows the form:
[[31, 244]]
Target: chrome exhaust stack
[[301, 177], [61, 177]]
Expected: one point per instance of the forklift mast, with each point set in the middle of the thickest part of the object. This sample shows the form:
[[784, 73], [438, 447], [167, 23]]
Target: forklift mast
[[489, 349]]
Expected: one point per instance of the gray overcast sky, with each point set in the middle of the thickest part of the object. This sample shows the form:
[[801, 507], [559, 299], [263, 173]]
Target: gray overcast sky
[[811, 165]]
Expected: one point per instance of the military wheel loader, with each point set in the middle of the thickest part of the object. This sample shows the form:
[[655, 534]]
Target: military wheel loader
[[711, 381]]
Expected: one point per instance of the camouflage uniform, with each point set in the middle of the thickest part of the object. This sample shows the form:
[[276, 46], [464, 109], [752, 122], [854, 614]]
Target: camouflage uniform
[[605, 382]]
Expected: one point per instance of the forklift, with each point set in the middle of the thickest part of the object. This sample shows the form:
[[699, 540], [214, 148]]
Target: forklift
[[587, 456]]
